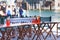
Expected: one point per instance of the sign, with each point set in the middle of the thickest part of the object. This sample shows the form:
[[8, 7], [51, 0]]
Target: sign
[[21, 20]]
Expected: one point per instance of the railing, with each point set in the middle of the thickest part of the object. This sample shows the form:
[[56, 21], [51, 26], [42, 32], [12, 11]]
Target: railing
[[46, 27], [42, 29]]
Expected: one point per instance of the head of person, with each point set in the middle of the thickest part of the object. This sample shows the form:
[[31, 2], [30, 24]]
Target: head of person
[[38, 17], [20, 7], [12, 5], [4, 4], [9, 6]]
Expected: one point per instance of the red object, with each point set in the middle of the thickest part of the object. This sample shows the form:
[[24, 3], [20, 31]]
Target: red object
[[36, 21], [7, 23]]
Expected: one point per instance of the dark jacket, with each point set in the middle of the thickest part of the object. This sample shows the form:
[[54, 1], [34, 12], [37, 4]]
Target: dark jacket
[[4, 9], [21, 12]]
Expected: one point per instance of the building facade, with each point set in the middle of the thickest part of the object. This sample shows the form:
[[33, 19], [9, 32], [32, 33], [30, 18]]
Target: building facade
[[8, 2], [57, 4], [32, 4]]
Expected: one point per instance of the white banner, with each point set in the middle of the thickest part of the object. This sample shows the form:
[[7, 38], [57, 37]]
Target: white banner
[[21, 20]]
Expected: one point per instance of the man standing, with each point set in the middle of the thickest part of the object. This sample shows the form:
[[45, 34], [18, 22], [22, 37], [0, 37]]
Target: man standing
[[21, 12], [9, 11]]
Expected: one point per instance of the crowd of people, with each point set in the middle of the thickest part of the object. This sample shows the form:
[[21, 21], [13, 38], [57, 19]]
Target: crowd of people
[[9, 10]]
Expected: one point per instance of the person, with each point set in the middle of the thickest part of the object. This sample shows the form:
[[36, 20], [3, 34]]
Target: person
[[4, 7], [13, 11], [2, 15], [1, 11], [37, 20], [9, 11], [21, 12]]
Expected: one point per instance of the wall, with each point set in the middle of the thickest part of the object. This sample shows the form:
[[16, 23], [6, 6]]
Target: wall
[[9, 2], [57, 4]]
